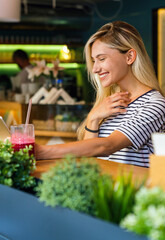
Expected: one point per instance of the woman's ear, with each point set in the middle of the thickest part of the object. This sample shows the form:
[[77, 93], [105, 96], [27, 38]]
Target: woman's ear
[[131, 56]]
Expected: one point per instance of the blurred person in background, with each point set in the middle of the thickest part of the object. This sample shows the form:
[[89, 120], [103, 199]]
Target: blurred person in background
[[21, 58]]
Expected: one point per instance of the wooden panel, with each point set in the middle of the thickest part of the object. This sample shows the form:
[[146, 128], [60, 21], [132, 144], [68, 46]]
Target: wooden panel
[[157, 171], [55, 134], [109, 167], [161, 48], [11, 112]]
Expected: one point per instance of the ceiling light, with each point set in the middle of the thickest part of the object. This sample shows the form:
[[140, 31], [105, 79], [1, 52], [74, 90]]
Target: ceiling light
[[53, 3], [10, 10]]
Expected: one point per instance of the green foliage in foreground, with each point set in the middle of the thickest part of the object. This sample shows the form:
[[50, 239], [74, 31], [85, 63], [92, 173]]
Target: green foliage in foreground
[[15, 167], [148, 217], [115, 199], [70, 184], [80, 186]]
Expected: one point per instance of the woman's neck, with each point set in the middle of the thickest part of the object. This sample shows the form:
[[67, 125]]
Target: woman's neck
[[135, 88]]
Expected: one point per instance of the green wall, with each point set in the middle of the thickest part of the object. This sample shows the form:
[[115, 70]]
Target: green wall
[[136, 12]]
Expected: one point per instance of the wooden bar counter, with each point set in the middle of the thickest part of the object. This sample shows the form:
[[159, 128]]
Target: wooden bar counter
[[109, 167]]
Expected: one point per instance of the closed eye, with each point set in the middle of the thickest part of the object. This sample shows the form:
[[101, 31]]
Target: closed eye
[[101, 59]]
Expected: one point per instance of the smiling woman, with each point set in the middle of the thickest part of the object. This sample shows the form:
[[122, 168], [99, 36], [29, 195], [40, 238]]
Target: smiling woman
[[111, 65], [129, 106]]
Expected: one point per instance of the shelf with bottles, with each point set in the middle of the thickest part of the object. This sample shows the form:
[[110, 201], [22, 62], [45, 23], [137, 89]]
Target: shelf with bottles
[[12, 68], [56, 120], [66, 54], [70, 57], [41, 116]]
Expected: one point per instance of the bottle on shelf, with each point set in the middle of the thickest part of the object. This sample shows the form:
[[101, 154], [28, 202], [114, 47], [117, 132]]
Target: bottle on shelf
[[59, 83]]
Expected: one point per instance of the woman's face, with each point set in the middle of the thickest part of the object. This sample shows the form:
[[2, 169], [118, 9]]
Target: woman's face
[[109, 64]]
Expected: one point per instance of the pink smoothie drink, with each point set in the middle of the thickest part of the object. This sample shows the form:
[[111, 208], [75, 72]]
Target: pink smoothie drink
[[22, 136], [20, 142]]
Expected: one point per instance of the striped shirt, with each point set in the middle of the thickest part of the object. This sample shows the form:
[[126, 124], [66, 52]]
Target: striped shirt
[[144, 116]]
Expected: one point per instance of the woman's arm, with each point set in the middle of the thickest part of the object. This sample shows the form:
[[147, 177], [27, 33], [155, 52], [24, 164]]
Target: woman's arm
[[94, 147]]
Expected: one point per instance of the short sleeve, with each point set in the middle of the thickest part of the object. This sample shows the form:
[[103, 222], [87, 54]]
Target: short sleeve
[[149, 118]]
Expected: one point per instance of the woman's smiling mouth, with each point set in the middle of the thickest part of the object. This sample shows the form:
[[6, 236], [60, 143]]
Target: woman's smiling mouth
[[103, 75]]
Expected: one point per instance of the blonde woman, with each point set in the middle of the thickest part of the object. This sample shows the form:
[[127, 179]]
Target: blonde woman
[[129, 105]]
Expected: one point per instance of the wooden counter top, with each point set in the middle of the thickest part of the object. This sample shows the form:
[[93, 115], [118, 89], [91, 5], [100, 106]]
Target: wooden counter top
[[109, 167]]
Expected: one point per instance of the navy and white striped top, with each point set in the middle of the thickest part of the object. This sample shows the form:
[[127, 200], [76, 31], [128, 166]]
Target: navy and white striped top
[[144, 116]]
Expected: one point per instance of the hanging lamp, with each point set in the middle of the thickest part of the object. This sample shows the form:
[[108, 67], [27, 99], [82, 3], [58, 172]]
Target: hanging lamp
[[10, 10]]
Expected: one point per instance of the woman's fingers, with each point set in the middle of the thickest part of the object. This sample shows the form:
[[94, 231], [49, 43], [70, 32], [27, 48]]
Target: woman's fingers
[[117, 100], [119, 96], [112, 105], [120, 103], [117, 103], [118, 110]]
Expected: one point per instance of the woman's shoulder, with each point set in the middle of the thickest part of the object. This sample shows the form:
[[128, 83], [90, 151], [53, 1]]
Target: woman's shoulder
[[155, 101], [156, 95], [150, 96], [152, 100]]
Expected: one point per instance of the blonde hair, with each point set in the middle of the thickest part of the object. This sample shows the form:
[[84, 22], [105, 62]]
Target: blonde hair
[[122, 37]]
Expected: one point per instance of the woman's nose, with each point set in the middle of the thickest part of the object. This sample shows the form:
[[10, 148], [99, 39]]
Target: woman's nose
[[95, 68]]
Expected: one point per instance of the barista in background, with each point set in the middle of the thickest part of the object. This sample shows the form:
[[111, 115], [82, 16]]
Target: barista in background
[[21, 58]]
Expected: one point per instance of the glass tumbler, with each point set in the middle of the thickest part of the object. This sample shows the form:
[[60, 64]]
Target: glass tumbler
[[22, 135]]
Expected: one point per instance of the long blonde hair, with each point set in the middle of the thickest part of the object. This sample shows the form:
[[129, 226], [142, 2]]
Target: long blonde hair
[[122, 37]]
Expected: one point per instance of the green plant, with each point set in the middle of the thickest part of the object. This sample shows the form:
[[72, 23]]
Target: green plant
[[115, 198], [148, 217], [70, 184], [79, 185], [102, 195], [15, 167]]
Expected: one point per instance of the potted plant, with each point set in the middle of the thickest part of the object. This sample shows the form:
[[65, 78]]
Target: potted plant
[[70, 184], [114, 199], [80, 185], [148, 216], [16, 167]]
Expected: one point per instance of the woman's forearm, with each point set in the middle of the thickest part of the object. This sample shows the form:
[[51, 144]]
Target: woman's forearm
[[94, 147], [88, 147]]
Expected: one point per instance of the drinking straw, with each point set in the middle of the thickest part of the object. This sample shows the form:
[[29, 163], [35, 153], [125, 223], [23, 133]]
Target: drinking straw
[[28, 111]]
